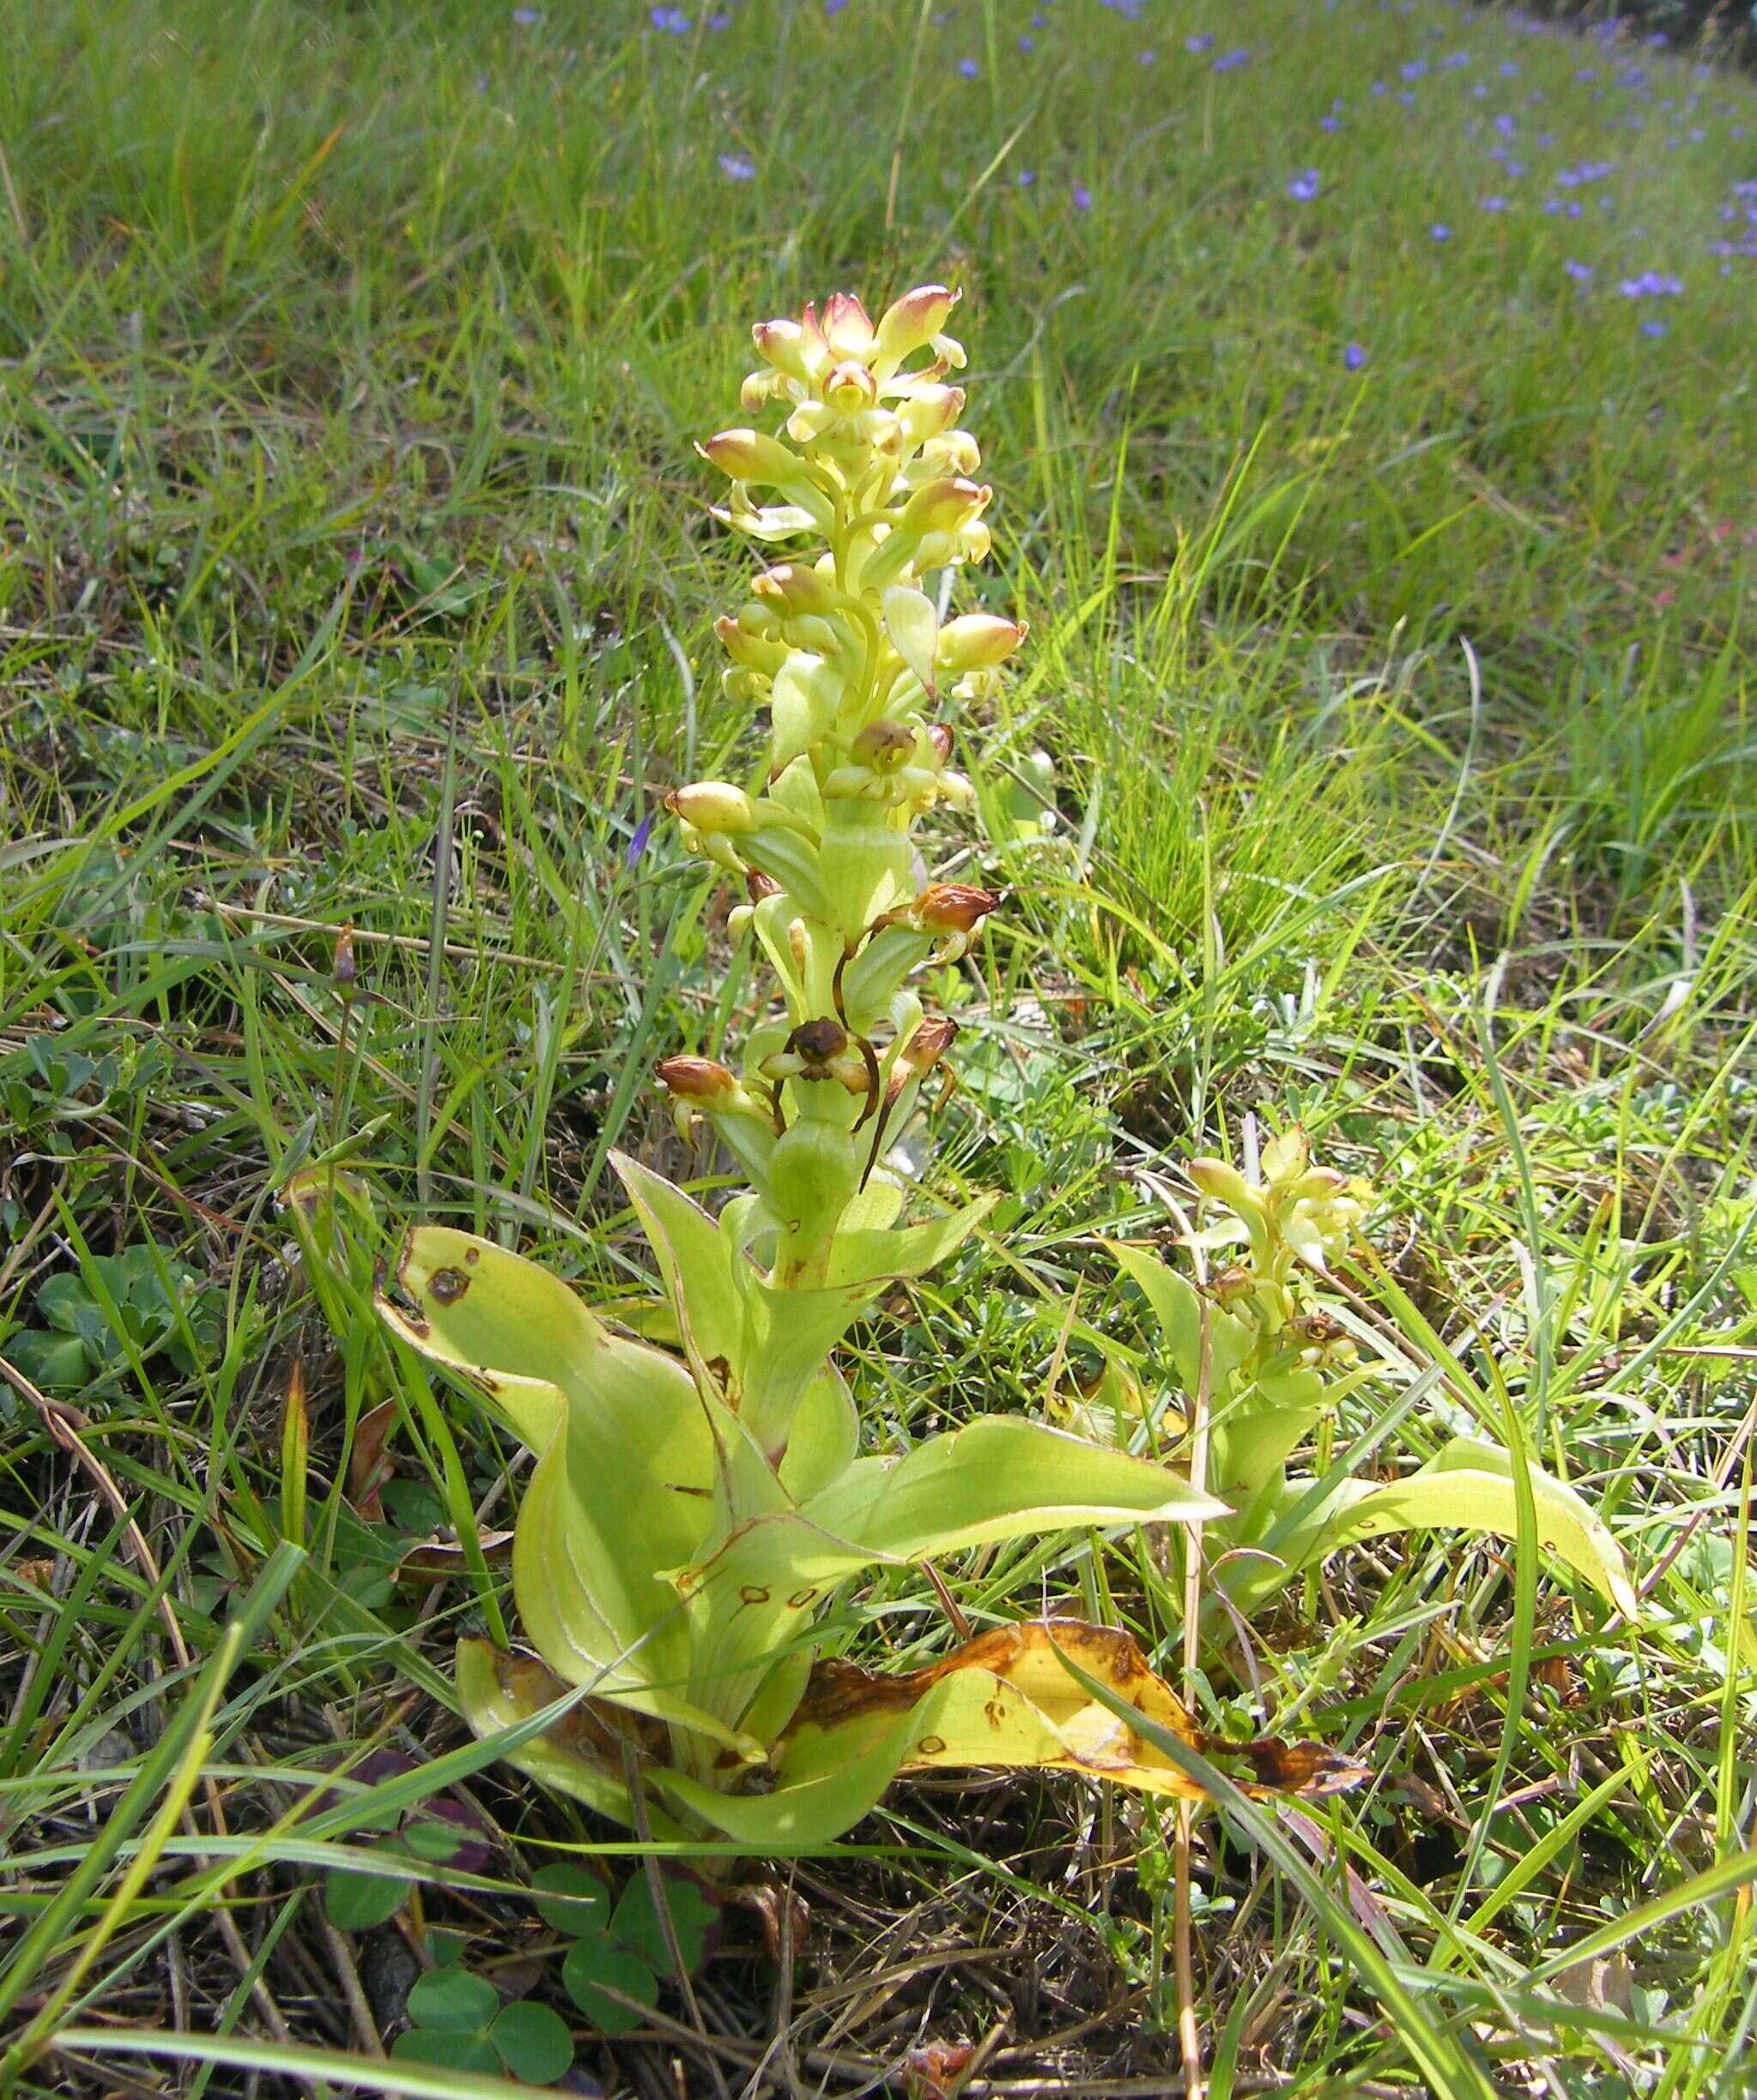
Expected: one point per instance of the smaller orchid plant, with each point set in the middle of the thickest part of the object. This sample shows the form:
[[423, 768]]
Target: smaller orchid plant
[[1261, 1342], [693, 1508]]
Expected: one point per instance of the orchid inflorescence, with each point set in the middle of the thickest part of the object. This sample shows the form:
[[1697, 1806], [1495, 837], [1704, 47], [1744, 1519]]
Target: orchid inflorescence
[[849, 654], [693, 1507]]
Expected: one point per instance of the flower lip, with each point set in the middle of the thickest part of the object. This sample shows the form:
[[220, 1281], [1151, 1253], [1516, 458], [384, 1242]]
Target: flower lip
[[884, 745], [818, 1043], [851, 386]]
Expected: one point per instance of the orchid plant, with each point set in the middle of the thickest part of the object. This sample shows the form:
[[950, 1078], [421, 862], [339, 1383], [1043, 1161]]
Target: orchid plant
[[1260, 1343], [693, 1510]]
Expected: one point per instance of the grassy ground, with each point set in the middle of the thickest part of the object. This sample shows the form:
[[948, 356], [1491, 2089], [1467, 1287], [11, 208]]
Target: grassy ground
[[1398, 711]]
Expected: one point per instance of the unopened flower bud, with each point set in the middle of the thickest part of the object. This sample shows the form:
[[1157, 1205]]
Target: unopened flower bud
[[953, 452], [977, 641], [758, 885], [944, 506], [795, 590], [929, 412], [913, 321], [344, 970], [712, 806], [952, 908], [939, 738], [753, 651], [845, 327], [697, 1079], [1214, 1178], [884, 745], [921, 1054], [749, 455], [782, 343]]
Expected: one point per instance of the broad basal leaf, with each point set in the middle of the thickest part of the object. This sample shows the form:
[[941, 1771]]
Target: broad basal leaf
[[1005, 1700], [999, 1477], [584, 1754], [623, 1485], [1468, 1486]]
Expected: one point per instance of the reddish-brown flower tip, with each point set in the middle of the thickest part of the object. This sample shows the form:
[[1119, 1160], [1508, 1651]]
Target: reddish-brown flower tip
[[694, 1078], [952, 908]]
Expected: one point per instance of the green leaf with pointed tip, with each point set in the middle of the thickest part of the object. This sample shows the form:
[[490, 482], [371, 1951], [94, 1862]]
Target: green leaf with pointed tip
[[864, 1256], [999, 1477], [826, 1436], [761, 1348], [701, 1269], [1178, 1306], [1468, 1486]]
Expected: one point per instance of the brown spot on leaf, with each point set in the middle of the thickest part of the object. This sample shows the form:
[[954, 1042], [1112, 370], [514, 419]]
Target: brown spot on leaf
[[931, 1746], [448, 1286], [800, 1598], [755, 1593]]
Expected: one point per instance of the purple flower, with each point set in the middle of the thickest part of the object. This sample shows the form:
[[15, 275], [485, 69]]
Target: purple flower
[[1491, 204], [1654, 328], [1303, 188], [1198, 43], [1328, 123], [637, 843], [1353, 357], [1083, 197], [670, 21], [1027, 42], [1414, 69], [969, 68], [1439, 231], [834, 7], [527, 17], [1653, 284], [736, 167], [1230, 61], [1580, 272]]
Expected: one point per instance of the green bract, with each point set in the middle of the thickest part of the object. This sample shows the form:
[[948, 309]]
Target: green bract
[[690, 1515]]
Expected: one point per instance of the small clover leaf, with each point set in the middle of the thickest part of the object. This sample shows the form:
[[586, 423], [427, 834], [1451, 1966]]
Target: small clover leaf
[[592, 1964], [533, 2042], [452, 1999]]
